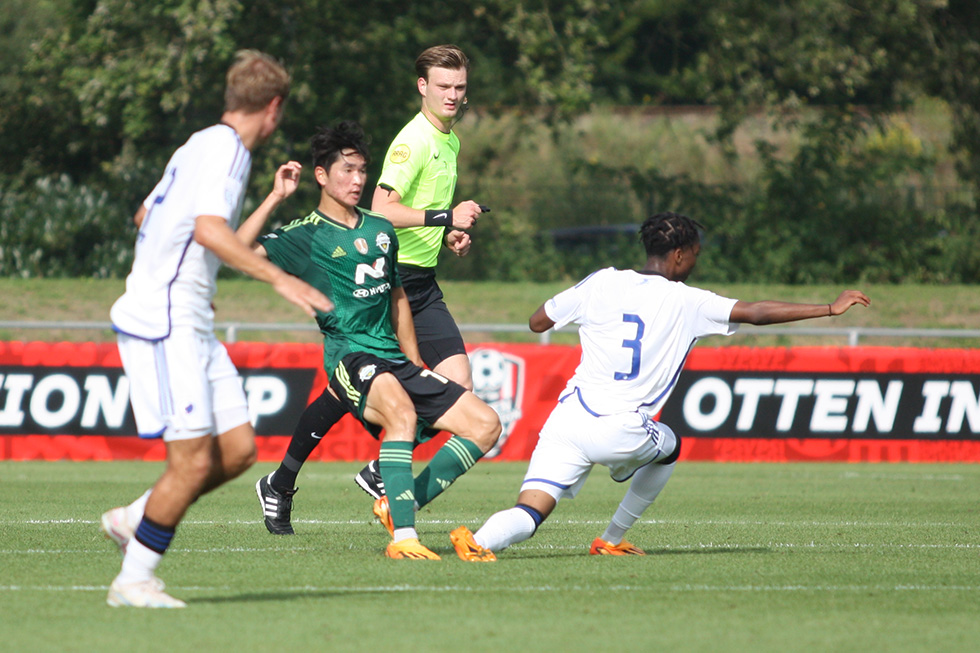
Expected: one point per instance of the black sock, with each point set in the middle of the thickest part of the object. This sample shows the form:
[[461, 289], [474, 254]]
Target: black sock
[[313, 424]]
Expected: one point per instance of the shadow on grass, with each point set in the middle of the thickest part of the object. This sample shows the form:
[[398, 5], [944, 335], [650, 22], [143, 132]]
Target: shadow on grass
[[551, 555], [709, 550], [290, 595]]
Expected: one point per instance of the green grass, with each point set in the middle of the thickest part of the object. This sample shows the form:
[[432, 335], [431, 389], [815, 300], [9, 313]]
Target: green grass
[[243, 300], [810, 557]]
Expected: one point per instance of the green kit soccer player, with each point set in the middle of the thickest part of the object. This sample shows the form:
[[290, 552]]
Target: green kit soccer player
[[415, 194], [369, 352]]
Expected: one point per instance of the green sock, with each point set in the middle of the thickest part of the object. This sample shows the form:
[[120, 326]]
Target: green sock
[[395, 465], [450, 462]]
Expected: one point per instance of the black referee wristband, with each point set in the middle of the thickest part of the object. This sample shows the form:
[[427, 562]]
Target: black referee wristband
[[438, 217]]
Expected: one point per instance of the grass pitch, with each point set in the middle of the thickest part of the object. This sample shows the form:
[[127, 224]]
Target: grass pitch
[[791, 557]]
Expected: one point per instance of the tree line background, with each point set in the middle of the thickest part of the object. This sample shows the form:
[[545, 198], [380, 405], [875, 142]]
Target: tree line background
[[779, 125]]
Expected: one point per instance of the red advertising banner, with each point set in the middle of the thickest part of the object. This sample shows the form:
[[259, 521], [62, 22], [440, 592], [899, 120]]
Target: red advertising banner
[[71, 401]]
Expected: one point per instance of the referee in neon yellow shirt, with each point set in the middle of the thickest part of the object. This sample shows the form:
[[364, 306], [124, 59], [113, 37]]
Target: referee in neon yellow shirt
[[415, 192]]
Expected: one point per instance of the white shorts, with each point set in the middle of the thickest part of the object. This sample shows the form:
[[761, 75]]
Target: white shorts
[[182, 387], [574, 439]]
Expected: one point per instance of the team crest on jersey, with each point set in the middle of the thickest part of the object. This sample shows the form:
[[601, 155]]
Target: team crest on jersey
[[383, 241], [400, 154], [366, 372], [498, 379], [361, 246]]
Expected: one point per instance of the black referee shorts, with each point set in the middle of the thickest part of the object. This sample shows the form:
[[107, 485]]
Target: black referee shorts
[[435, 330], [432, 394]]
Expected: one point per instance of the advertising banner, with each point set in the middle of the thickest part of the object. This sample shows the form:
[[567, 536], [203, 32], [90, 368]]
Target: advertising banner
[[71, 401]]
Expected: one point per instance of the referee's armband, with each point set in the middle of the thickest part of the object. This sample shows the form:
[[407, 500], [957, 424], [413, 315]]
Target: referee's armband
[[438, 217]]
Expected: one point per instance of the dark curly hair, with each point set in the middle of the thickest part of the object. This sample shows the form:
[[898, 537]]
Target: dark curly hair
[[328, 143], [662, 233]]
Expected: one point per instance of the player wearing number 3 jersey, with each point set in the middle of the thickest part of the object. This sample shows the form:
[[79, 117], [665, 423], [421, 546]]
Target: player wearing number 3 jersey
[[637, 329]]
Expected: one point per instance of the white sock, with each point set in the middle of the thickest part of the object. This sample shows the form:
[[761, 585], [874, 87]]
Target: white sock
[[505, 528], [139, 563], [135, 510], [644, 488], [404, 534]]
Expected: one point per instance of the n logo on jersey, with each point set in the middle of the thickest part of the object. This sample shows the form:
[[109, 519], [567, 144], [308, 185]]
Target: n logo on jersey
[[361, 246], [383, 241], [363, 271]]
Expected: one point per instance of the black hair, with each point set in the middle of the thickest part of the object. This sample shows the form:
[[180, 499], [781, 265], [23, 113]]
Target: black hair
[[328, 143], [662, 233]]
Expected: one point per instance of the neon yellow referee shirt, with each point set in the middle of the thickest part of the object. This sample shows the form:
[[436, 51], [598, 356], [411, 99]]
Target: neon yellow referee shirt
[[421, 167]]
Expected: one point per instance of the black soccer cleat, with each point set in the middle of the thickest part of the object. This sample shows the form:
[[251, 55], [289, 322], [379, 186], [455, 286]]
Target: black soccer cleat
[[369, 479], [276, 507]]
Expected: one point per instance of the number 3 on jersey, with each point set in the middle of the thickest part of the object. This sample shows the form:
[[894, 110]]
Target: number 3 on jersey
[[633, 345]]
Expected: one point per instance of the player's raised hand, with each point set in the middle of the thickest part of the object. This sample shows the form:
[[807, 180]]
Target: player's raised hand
[[465, 214], [287, 179], [847, 299], [302, 294]]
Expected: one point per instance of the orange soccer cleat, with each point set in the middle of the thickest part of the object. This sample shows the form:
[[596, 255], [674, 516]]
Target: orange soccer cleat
[[600, 547]]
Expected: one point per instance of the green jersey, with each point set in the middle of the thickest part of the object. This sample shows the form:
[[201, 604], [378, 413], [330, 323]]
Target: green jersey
[[421, 167], [355, 268]]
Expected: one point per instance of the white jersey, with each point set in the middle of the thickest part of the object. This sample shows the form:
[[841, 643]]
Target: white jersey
[[174, 278], [636, 332]]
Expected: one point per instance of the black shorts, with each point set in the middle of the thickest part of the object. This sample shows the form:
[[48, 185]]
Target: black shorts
[[432, 394], [435, 330]]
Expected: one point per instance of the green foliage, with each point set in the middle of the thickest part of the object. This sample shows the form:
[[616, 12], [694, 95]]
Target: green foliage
[[102, 91], [61, 229]]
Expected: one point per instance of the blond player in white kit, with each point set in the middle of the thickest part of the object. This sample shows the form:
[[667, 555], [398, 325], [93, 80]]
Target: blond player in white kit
[[183, 385], [636, 330]]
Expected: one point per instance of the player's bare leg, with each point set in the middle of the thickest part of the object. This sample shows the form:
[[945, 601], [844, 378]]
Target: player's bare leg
[[456, 368], [189, 464]]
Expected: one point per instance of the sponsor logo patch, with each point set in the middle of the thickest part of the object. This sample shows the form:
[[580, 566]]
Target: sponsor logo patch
[[383, 241], [400, 154], [366, 372], [361, 246]]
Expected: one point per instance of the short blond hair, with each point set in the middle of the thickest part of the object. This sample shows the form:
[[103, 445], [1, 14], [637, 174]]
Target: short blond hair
[[253, 81]]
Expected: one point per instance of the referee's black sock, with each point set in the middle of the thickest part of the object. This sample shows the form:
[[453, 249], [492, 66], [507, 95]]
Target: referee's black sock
[[318, 418]]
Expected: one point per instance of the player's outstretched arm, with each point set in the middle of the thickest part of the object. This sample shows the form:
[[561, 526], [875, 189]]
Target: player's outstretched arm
[[212, 232], [285, 184], [539, 321], [776, 312]]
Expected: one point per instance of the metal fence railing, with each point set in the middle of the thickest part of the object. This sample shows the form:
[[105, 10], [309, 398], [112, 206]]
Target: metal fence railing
[[232, 330]]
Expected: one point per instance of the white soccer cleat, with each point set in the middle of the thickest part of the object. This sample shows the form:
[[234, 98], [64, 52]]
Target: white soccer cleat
[[145, 594], [116, 528]]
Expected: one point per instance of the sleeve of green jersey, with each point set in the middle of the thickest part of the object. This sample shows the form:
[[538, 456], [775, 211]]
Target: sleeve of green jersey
[[403, 162], [288, 250]]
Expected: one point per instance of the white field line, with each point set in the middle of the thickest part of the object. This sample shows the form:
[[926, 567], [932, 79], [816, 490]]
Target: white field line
[[558, 520], [396, 589], [652, 549]]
